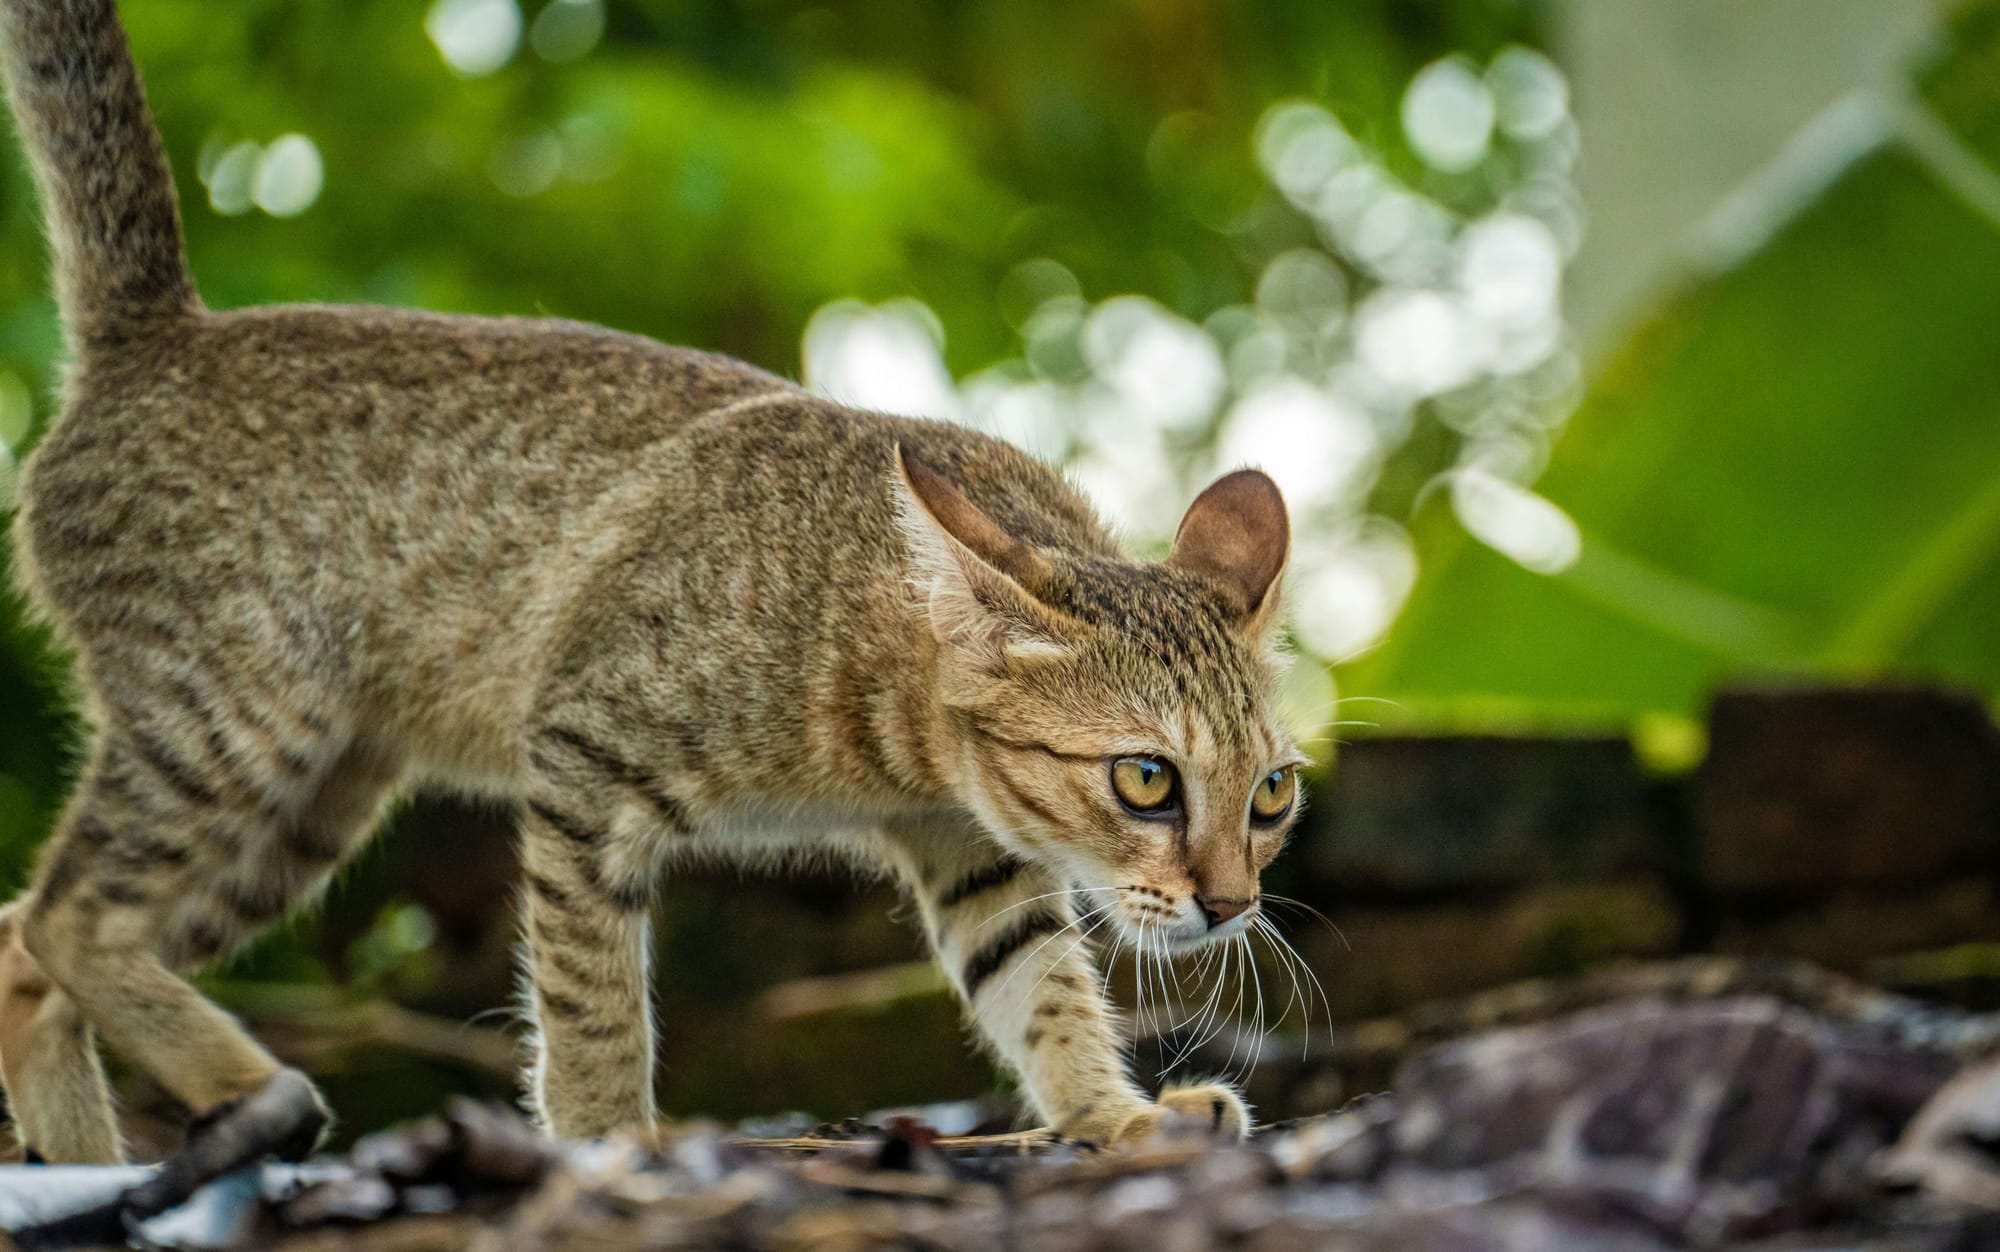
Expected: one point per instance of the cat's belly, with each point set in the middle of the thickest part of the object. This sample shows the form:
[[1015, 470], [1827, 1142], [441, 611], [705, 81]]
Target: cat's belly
[[769, 835]]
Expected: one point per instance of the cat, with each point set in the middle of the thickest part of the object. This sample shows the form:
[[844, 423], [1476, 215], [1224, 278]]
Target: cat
[[671, 605]]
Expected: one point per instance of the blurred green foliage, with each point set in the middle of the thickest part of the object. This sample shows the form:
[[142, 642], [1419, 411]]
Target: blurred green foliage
[[1791, 469], [721, 171]]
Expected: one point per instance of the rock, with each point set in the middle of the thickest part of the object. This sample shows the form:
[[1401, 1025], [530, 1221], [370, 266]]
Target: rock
[[1952, 1149], [1705, 1103], [1707, 1120]]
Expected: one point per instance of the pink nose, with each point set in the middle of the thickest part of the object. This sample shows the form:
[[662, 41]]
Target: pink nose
[[1220, 911]]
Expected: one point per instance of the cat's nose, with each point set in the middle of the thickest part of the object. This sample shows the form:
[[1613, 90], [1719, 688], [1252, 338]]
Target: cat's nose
[[1220, 911]]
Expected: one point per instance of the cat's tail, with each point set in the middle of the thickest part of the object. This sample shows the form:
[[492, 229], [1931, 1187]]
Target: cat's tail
[[113, 222]]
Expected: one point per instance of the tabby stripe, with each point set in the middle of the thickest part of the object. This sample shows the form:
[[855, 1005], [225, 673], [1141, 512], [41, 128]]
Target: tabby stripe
[[308, 843], [558, 1003], [688, 745], [206, 940], [564, 962], [558, 930], [173, 772], [1021, 745], [204, 719], [987, 961], [568, 827], [672, 811], [550, 892], [254, 909], [621, 895], [571, 1009], [1028, 802], [986, 878], [128, 845], [119, 891]]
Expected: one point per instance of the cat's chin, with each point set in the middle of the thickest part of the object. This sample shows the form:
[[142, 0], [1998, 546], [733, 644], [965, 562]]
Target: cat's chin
[[1178, 939], [1195, 940]]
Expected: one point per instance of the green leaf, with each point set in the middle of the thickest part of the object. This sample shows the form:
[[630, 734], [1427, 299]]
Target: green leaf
[[1793, 467]]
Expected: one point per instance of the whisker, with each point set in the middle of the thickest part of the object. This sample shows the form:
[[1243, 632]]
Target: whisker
[[1255, 1052], [1161, 1027], [1057, 963], [1234, 1017], [1028, 960], [1211, 1019], [1324, 919], [1199, 1018], [1168, 969], [1046, 895], [1138, 990], [1300, 961], [1262, 926]]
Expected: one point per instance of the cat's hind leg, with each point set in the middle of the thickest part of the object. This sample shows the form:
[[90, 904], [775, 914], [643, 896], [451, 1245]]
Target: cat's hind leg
[[171, 856], [54, 1078]]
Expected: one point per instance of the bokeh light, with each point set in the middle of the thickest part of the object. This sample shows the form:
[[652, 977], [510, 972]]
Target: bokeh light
[[889, 358], [566, 30], [288, 176], [475, 37], [1448, 114], [1417, 307]]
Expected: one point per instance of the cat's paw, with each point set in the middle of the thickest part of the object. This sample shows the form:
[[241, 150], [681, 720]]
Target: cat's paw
[[1211, 1107], [1207, 1108]]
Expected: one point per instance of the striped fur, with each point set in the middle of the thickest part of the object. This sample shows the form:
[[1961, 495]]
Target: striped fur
[[672, 605]]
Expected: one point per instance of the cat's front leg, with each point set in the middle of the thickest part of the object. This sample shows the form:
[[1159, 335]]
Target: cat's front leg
[[1019, 953], [588, 939]]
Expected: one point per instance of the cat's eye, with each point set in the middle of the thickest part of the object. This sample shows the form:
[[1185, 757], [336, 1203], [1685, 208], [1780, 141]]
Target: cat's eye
[[1145, 784], [1273, 797]]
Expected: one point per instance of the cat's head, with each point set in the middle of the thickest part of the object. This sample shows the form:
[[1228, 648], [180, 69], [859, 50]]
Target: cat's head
[[1117, 719]]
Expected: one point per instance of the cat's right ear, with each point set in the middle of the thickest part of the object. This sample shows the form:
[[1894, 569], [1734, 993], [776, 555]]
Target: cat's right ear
[[974, 577], [1238, 535]]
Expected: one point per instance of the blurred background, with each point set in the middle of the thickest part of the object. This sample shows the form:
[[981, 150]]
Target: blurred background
[[1632, 368]]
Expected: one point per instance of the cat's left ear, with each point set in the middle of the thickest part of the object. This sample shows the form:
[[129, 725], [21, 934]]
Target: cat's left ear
[[1238, 534], [977, 578]]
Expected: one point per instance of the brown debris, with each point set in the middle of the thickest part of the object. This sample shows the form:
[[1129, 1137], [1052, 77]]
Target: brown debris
[[1744, 1120], [1700, 1106]]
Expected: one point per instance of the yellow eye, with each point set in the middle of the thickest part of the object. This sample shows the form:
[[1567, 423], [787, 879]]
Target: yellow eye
[[1144, 783], [1273, 797]]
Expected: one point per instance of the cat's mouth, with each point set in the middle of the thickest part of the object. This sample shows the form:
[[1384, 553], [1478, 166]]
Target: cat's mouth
[[1156, 921]]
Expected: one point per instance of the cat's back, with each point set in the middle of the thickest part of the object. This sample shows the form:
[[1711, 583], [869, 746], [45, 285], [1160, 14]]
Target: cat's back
[[282, 382], [301, 410], [342, 452]]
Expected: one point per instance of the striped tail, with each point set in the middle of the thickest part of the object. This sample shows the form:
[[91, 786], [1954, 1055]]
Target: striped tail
[[113, 221]]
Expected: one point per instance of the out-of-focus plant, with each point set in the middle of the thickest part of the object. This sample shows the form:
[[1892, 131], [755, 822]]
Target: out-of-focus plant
[[1411, 332]]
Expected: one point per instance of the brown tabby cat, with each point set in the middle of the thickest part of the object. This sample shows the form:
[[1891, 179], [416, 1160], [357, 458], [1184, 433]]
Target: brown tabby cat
[[673, 605]]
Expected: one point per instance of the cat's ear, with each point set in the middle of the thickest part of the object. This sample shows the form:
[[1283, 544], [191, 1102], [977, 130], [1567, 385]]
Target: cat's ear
[[1237, 534], [974, 576]]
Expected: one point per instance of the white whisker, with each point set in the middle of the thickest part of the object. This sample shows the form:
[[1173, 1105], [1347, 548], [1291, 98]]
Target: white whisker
[[1046, 895], [1323, 918], [1027, 960], [1298, 961], [1262, 926], [1057, 963]]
